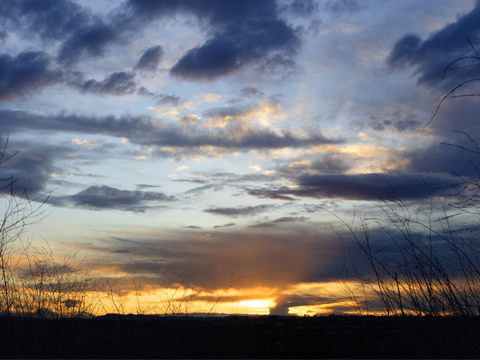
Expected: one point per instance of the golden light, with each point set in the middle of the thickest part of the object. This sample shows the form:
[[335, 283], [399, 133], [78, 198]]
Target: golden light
[[260, 307]]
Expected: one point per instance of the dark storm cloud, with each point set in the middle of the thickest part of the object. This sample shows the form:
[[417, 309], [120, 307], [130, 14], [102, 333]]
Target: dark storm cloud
[[236, 46], [149, 132], [215, 12], [222, 226], [80, 32], [150, 59], [359, 187], [26, 73], [34, 164], [240, 34], [108, 198], [240, 211], [118, 83], [41, 165], [431, 56], [47, 20], [439, 158], [89, 41], [30, 173]]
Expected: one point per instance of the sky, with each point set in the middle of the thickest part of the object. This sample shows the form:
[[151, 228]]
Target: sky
[[225, 137]]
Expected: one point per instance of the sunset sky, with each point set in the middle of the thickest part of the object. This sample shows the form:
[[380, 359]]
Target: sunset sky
[[221, 136]]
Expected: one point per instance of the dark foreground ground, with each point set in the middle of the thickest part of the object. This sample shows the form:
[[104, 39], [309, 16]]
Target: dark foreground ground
[[241, 337]]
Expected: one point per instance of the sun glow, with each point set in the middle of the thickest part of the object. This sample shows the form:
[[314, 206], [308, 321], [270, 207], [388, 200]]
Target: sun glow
[[258, 306]]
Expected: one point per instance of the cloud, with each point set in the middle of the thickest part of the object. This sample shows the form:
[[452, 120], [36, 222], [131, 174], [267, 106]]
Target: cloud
[[26, 73], [359, 187], [167, 100], [150, 59], [145, 186], [210, 97], [330, 164], [272, 63], [234, 42], [290, 219], [90, 40], [160, 99], [118, 83], [430, 57], [255, 167], [35, 163], [79, 31], [235, 47], [278, 194], [108, 198], [196, 181], [193, 227], [182, 168], [240, 34], [201, 189], [120, 252], [51, 21], [251, 91], [147, 131], [263, 258], [240, 211], [287, 219], [226, 225], [287, 264], [262, 113], [140, 158], [84, 142], [438, 158], [340, 7], [305, 8]]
